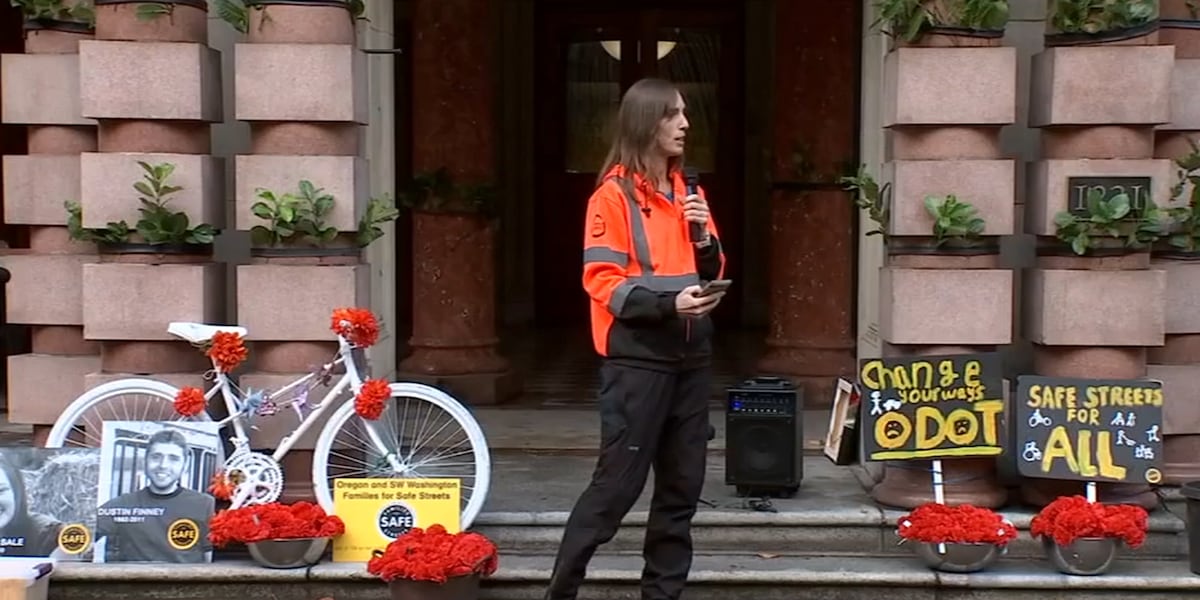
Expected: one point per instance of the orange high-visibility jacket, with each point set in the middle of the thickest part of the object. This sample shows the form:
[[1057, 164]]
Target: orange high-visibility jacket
[[637, 257]]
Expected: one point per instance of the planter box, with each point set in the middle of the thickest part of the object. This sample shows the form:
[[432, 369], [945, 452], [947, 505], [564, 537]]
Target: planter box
[[108, 194], [137, 302], [150, 80], [46, 289], [309, 293], [40, 386], [950, 86], [965, 307], [344, 177], [1185, 83], [1101, 85], [1181, 383], [36, 185], [41, 89], [1094, 308], [1183, 287], [990, 185], [268, 77], [269, 431], [1048, 185]]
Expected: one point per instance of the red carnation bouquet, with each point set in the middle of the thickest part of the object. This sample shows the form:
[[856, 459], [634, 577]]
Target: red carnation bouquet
[[272, 521], [1069, 518], [434, 555], [935, 523]]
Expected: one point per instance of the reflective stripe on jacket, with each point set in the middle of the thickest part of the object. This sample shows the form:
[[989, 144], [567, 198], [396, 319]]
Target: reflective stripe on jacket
[[637, 256]]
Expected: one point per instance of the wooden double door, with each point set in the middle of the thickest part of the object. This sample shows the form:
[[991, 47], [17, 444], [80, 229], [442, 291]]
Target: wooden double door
[[588, 56]]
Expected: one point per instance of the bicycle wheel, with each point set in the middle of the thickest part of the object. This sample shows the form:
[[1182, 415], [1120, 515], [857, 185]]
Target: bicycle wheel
[[81, 424], [431, 435]]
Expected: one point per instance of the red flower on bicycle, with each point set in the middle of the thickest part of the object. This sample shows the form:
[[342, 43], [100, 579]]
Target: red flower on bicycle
[[221, 486], [227, 351], [358, 325], [372, 398], [189, 401]]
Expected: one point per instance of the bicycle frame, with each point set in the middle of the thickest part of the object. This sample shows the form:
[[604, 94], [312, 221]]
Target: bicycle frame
[[236, 418]]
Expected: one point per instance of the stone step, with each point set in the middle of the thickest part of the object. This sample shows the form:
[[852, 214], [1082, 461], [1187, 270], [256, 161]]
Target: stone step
[[814, 532], [615, 577]]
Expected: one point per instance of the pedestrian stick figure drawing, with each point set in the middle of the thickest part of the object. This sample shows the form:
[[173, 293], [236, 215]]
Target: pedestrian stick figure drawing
[[1144, 452], [1037, 418], [1118, 420], [1031, 453], [1124, 440], [1130, 420], [1152, 434], [876, 398]]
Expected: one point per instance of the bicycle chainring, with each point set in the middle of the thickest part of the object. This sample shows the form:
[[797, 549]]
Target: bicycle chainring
[[259, 478]]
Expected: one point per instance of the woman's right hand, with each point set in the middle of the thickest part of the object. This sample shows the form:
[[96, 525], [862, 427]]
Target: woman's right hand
[[690, 302]]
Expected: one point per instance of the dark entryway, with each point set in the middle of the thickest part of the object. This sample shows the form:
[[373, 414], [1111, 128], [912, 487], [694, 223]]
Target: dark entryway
[[588, 55]]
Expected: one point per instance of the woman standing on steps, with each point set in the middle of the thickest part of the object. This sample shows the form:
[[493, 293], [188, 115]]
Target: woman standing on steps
[[650, 323]]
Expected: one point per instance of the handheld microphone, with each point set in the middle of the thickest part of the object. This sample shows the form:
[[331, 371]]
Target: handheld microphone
[[695, 230]]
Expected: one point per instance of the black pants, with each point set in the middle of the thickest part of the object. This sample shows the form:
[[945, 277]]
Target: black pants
[[648, 418]]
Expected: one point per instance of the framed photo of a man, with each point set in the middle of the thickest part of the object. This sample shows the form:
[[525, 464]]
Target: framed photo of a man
[[48, 502], [153, 499]]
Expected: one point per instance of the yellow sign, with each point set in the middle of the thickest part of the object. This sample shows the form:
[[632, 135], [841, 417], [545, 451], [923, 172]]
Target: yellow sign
[[377, 511]]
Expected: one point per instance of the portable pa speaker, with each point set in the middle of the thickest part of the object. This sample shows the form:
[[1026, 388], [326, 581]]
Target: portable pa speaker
[[764, 438]]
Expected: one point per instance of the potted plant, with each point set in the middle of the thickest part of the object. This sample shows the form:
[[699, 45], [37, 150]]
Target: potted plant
[[296, 225], [940, 23], [56, 26], [1081, 537], [1111, 226], [278, 536], [1090, 22], [293, 21], [432, 564], [159, 231], [152, 20], [956, 539]]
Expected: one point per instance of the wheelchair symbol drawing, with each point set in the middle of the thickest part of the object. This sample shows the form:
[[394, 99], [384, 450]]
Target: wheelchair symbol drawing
[[1037, 418], [1031, 453]]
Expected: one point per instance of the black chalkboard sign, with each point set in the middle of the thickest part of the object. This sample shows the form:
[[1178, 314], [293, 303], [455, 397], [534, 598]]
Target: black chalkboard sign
[[1089, 429], [931, 406]]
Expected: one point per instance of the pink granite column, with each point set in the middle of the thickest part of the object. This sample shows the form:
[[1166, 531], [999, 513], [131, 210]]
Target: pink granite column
[[810, 335], [139, 287], [957, 298], [454, 338], [312, 136], [45, 289], [1177, 362], [1070, 299]]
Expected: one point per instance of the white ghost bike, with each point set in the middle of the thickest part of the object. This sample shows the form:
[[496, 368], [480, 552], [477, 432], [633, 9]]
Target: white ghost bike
[[421, 433]]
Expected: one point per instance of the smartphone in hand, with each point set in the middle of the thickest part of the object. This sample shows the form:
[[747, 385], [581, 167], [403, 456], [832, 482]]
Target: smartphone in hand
[[715, 286]]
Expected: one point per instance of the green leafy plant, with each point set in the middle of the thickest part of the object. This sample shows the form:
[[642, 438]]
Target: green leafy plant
[[1185, 230], [436, 192], [908, 20], [147, 11], [954, 219], [237, 13], [115, 233], [1114, 218], [869, 196], [293, 218], [80, 11], [159, 224], [1098, 16], [379, 211]]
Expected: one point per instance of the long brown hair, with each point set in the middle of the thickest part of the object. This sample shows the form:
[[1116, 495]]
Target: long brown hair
[[645, 105]]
